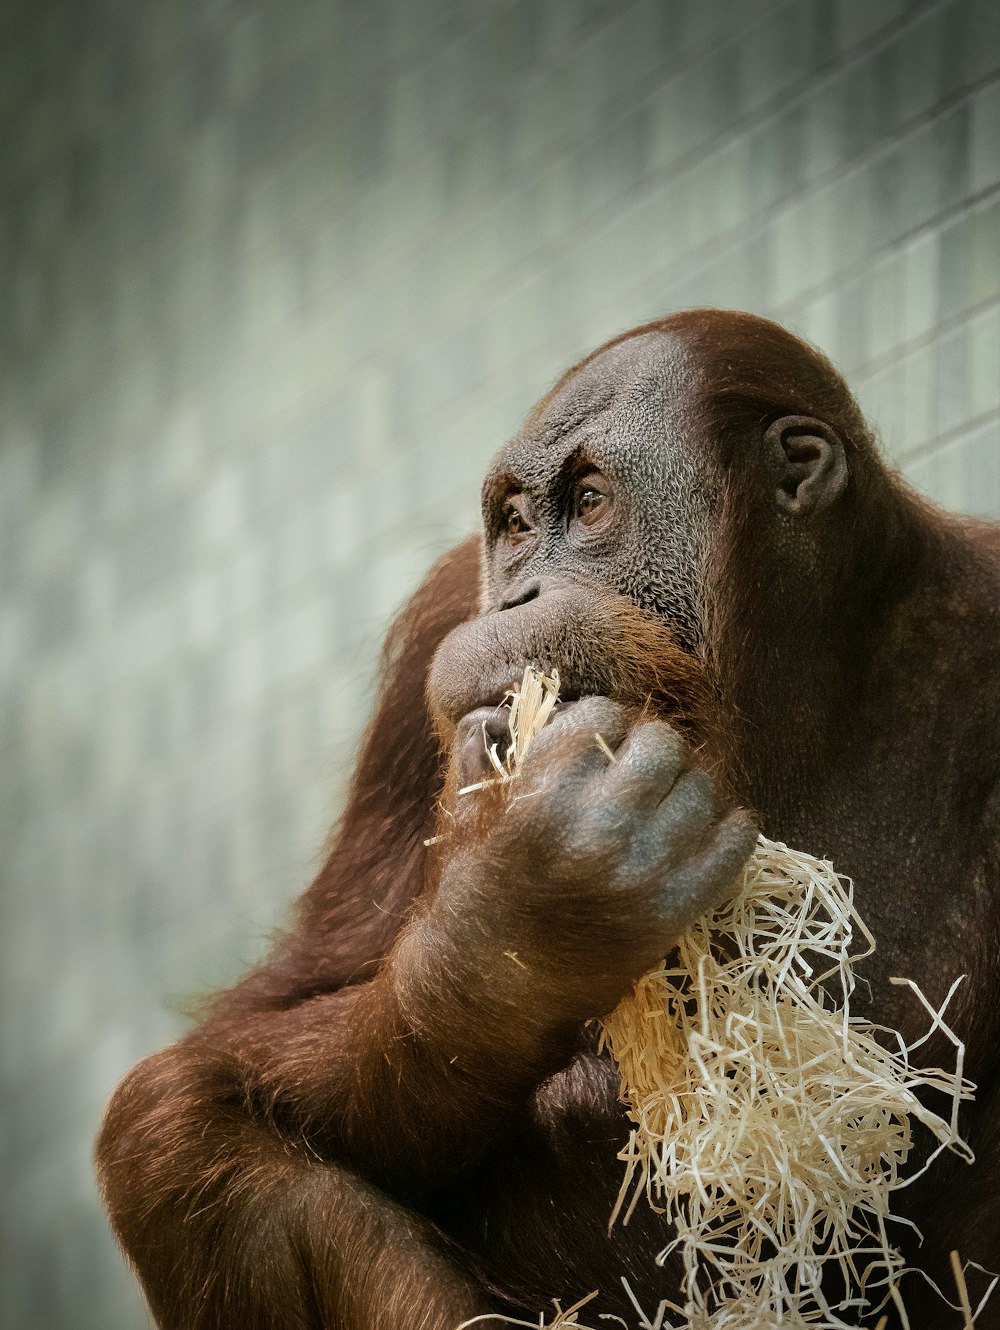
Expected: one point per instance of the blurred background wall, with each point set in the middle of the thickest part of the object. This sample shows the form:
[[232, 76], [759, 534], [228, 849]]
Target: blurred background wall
[[277, 279]]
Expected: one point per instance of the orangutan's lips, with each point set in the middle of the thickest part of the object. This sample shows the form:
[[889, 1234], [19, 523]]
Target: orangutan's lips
[[501, 698]]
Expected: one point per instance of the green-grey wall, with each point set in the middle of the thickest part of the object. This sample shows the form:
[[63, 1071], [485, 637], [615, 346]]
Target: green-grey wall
[[277, 279]]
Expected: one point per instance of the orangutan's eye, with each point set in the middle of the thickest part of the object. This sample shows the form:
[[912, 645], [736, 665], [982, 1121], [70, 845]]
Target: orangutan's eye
[[588, 504], [592, 499], [515, 519]]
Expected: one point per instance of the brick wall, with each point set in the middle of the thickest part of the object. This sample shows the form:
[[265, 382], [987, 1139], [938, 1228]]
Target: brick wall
[[277, 280]]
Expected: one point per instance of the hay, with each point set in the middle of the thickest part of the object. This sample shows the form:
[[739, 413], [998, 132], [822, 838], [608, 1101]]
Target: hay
[[531, 704], [562, 1320], [768, 1124]]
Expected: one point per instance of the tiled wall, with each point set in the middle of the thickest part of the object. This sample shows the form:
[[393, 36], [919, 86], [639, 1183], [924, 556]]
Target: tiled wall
[[277, 279]]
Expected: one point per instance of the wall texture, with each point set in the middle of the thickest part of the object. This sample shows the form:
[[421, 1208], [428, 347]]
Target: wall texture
[[278, 278]]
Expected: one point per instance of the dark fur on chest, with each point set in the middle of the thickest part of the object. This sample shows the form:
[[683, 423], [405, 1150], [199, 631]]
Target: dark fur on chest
[[536, 1216]]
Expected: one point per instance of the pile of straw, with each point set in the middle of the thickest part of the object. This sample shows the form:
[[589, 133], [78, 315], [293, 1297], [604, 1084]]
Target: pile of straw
[[768, 1124]]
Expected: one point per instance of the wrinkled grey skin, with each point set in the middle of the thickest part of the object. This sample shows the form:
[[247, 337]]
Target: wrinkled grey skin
[[622, 414], [655, 549]]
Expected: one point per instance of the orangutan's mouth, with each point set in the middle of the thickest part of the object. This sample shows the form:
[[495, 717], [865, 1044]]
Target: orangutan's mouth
[[499, 699]]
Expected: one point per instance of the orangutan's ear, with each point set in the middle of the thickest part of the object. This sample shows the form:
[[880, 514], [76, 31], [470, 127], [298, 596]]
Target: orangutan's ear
[[808, 458]]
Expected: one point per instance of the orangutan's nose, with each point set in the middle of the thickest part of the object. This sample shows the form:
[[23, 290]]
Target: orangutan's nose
[[522, 594]]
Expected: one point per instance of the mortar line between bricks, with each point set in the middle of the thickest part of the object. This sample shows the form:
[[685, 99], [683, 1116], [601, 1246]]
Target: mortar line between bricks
[[901, 460], [869, 368], [936, 223], [903, 350]]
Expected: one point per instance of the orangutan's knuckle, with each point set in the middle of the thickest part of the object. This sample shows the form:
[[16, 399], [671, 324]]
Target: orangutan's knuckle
[[592, 720], [736, 838], [663, 743], [691, 801], [595, 710]]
